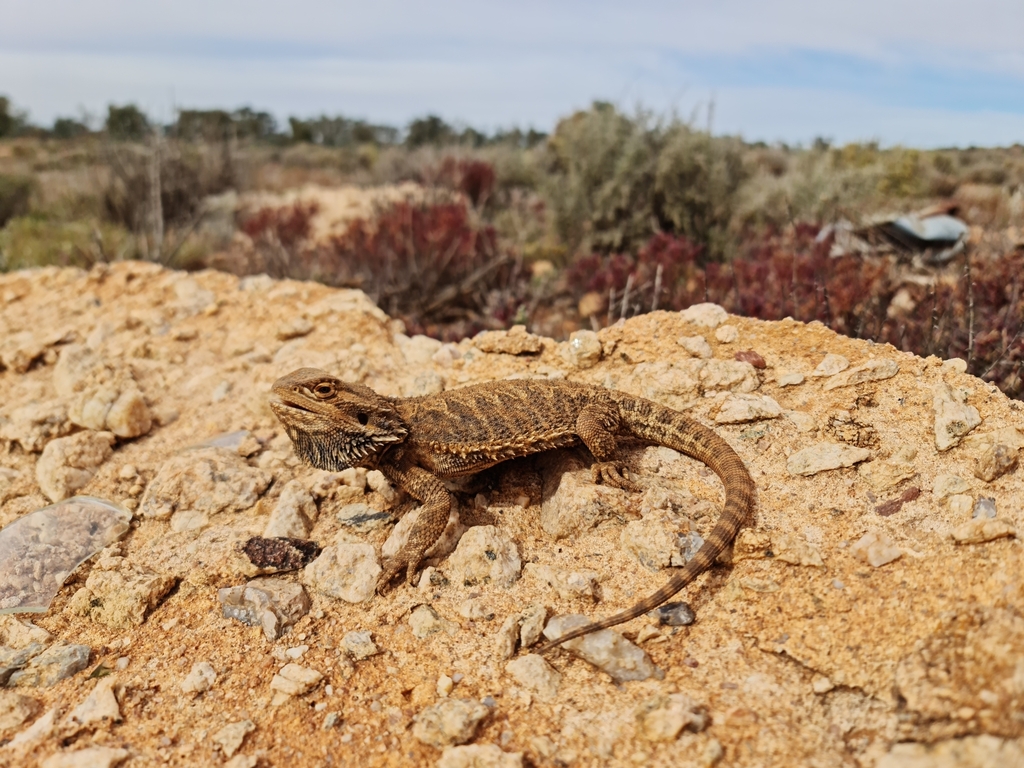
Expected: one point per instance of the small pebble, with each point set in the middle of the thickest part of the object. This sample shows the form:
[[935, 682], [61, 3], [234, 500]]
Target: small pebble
[[296, 652], [677, 614], [984, 507]]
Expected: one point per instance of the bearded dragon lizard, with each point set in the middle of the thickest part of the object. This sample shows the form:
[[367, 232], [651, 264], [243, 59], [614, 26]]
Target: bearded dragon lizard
[[418, 441]]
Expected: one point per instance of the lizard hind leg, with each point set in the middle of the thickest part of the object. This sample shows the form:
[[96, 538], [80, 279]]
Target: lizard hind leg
[[596, 425]]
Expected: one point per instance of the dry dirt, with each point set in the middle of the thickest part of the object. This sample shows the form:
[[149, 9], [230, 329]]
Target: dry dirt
[[917, 662]]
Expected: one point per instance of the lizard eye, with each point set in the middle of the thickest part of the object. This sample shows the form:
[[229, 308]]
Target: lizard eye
[[363, 418], [323, 390]]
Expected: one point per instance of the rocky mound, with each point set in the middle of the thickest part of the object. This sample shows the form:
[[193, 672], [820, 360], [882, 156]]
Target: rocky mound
[[870, 614]]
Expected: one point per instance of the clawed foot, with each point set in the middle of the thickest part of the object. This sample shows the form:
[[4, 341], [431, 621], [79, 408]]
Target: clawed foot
[[610, 473], [393, 567]]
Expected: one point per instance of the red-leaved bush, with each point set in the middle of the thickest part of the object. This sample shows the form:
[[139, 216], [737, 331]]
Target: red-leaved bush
[[974, 311]]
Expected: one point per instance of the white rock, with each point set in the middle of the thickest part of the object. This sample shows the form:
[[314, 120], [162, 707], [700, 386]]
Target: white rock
[[230, 737], [425, 621], [295, 680], [872, 370], [729, 375], [982, 529], [69, 463], [824, 456], [271, 603], [345, 570], [566, 584], [727, 334], [479, 756], [961, 504], [583, 349], [570, 501], [17, 633], [707, 314], [294, 514], [607, 650], [90, 757], [695, 346], [359, 645], [795, 550], [485, 555], [99, 706], [535, 674], [116, 406], [15, 711], [948, 485], [452, 721], [33, 425], [831, 365], [953, 417], [802, 421], [876, 549], [789, 379], [741, 408], [205, 481], [663, 718], [200, 679], [881, 475]]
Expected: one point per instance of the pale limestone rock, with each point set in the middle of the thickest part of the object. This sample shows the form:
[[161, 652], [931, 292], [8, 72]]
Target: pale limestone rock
[[872, 370], [19, 350], [804, 422], [293, 680], [961, 504], [122, 599], [876, 549], [425, 621], [948, 484], [345, 570], [90, 757], [33, 425], [475, 609], [607, 650], [751, 544], [995, 461], [793, 549], [1009, 436], [975, 751], [521, 629], [515, 341], [99, 706], [831, 365], [706, 314], [17, 633], [116, 406], [485, 555], [786, 379], [77, 366], [884, 474], [953, 417], [69, 463], [200, 679], [570, 501], [583, 349], [479, 756], [231, 736], [824, 456], [663, 718], [535, 674], [695, 346], [440, 549], [450, 722], [15, 710], [729, 375], [566, 584], [727, 334], [677, 385], [203, 482], [359, 645], [982, 529], [244, 761], [377, 483], [270, 603], [741, 408], [294, 514], [955, 364], [417, 350]]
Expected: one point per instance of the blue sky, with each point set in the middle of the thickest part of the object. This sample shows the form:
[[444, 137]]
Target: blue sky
[[924, 74]]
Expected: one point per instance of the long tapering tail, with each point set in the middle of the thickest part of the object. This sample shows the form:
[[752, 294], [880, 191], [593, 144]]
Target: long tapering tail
[[650, 421]]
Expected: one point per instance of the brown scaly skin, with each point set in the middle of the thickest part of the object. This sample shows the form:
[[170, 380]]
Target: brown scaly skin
[[417, 440]]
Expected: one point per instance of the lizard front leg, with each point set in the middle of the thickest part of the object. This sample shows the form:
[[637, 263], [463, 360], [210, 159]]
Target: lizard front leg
[[596, 425], [433, 517]]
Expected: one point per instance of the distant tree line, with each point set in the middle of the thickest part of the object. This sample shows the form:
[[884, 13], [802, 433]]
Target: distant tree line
[[129, 123]]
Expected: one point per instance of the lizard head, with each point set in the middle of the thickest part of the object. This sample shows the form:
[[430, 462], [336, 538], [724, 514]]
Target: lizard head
[[334, 425]]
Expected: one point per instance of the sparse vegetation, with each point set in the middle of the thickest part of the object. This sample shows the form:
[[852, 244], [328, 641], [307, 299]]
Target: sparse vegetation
[[611, 215]]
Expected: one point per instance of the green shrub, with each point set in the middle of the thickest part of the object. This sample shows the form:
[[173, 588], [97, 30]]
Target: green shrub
[[15, 193]]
